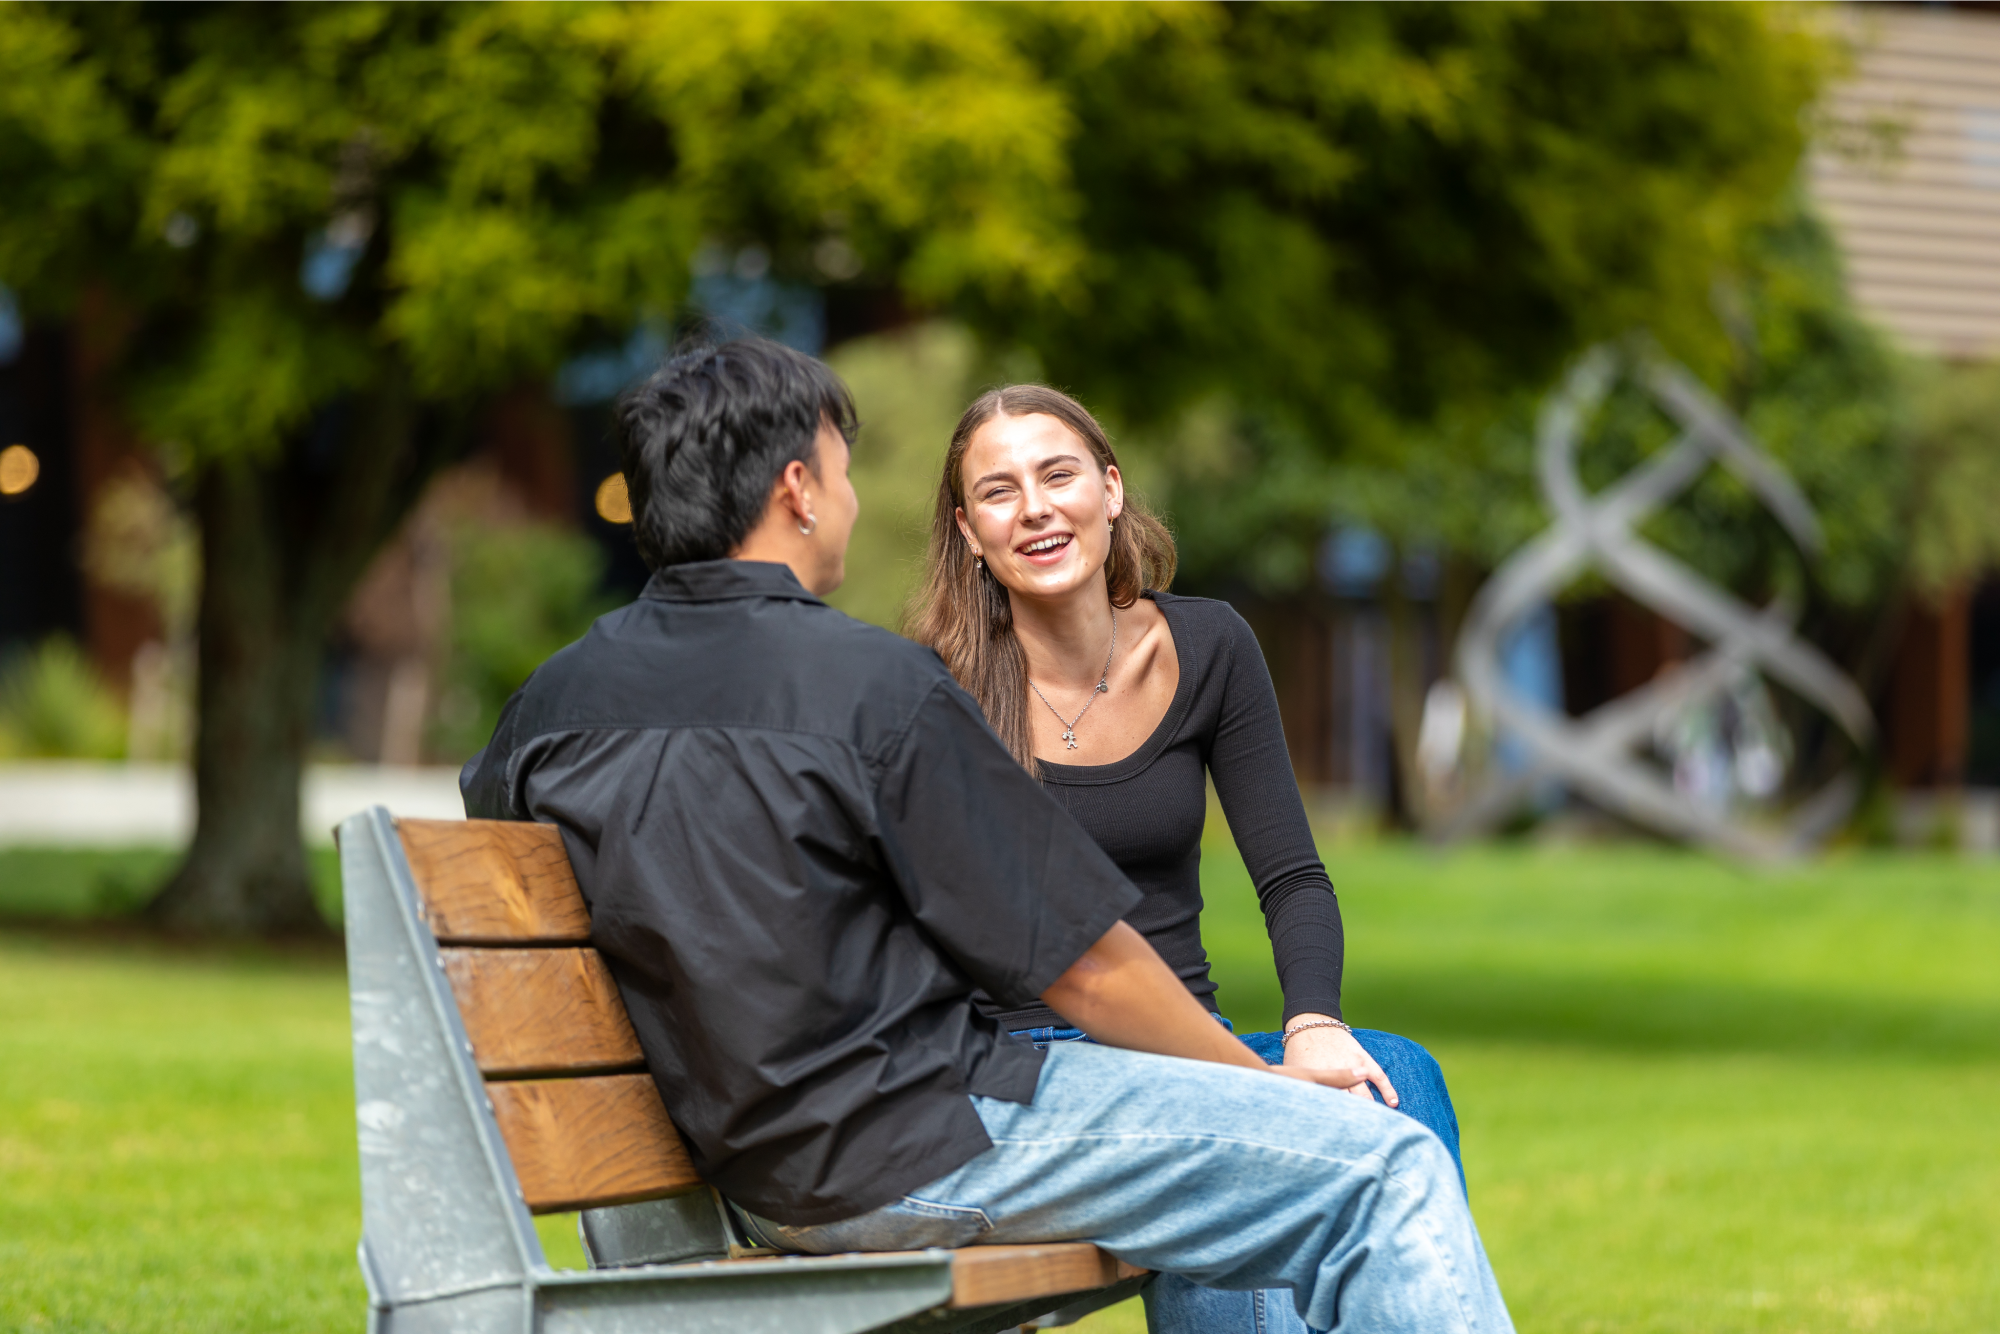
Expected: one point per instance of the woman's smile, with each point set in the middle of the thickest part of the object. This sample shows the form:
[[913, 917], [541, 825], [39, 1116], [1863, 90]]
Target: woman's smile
[[1045, 550]]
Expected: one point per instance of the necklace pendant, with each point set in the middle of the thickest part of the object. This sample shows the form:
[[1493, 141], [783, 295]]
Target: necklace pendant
[[1069, 739]]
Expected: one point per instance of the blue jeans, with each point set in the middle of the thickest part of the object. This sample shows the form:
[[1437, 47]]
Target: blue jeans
[[1177, 1305], [1419, 1081], [1232, 1178]]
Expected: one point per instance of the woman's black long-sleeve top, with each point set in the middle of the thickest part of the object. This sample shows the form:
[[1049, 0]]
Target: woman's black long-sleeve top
[[1147, 812]]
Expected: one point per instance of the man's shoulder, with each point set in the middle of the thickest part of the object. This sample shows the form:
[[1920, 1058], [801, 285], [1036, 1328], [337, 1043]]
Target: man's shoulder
[[638, 668], [890, 658]]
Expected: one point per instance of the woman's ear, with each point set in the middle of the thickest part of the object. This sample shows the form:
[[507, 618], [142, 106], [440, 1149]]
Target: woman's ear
[[964, 528], [1114, 493]]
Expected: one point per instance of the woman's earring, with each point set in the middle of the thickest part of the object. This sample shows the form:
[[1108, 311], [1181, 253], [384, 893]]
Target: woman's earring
[[811, 523]]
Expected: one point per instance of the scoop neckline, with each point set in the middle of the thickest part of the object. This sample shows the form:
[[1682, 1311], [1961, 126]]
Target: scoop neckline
[[1078, 775]]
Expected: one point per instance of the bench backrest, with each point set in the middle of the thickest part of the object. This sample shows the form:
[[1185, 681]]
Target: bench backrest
[[582, 1119]]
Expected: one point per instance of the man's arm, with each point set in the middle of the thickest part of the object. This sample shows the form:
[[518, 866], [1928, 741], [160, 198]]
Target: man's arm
[[1123, 994]]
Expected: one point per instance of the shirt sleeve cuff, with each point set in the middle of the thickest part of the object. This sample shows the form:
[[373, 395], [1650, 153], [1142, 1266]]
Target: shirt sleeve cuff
[[1298, 1005], [1113, 897]]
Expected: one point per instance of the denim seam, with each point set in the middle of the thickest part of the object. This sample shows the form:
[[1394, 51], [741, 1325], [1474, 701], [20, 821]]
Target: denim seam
[[936, 1209], [1194, 1139]]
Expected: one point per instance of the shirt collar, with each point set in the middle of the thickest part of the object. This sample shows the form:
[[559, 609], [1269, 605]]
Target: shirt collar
[[721, 580]]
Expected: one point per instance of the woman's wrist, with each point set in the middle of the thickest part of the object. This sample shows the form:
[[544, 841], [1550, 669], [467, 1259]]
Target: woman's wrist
[[1302, 1023]]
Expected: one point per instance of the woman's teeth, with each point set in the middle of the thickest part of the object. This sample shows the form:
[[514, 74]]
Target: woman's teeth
[[1046, 544]]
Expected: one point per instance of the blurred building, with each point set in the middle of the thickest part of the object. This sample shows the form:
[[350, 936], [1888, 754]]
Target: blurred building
[[1910, 179], [1909, 174]]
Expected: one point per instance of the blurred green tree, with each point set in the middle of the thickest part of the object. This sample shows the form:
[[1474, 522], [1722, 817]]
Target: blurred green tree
[[326, 234], [519, 592], [54, 706], [1356, 234], [1820, 387]]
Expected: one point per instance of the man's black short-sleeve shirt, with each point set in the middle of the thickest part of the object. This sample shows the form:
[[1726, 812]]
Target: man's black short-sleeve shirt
[[803, 849]]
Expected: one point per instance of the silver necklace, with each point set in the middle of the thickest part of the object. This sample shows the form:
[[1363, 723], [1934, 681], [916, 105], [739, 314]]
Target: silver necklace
[[1069, 724]]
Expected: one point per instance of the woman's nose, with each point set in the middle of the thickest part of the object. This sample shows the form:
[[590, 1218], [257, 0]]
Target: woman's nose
[[1035, 504]]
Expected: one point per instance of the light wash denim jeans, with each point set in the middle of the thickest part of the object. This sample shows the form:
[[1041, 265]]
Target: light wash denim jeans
[[1236, 1179], [1415, 1073], [1176, 1304]]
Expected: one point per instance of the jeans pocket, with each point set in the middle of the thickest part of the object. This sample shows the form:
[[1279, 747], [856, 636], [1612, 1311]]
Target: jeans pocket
[[908, 1224], [954, 1224]]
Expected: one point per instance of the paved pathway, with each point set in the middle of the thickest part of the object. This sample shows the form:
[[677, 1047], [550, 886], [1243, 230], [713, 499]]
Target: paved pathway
[[80, 803]]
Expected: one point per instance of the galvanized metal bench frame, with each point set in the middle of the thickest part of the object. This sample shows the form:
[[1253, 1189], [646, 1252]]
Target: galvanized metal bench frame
[[447, 1240]]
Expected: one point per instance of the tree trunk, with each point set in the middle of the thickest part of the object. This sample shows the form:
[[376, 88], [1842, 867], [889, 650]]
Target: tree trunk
[[283, 543], [245, 873]]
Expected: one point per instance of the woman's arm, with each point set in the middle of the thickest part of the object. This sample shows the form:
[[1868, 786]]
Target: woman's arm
[[1123, 994], [1252, 770]]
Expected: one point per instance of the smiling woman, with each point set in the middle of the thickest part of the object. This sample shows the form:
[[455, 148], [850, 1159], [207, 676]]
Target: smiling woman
[[1045, 596], [1031, 497]]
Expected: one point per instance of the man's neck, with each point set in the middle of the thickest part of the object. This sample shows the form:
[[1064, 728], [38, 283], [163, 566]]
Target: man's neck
[[1066, 637], [771, 543]]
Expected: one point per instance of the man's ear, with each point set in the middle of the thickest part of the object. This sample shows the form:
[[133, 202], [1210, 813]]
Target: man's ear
[[792, 492]]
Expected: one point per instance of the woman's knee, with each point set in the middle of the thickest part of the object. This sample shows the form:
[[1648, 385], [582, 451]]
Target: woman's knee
[[1400, 1058]]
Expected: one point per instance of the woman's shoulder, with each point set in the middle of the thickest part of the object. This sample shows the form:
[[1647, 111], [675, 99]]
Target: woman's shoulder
[[1213, 623]]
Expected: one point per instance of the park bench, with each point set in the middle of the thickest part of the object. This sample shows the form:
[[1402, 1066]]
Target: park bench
[[497, 1076]]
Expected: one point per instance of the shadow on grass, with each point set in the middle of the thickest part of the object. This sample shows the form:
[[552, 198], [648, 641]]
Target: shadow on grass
[[1625, 1013]]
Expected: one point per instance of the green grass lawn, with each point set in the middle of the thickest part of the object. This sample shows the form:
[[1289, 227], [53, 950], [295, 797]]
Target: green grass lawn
[[99, 884], [1693, 1098]]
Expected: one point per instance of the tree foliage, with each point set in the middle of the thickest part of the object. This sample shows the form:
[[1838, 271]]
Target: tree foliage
[[1347, 218], [54, 706], [1352, 216], [1898, 455], [512, 177], [317, 237], [1954, 466], [519, 592]]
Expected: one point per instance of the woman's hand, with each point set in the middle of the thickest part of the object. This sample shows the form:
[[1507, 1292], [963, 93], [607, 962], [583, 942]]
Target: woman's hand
[[1333, 1048]]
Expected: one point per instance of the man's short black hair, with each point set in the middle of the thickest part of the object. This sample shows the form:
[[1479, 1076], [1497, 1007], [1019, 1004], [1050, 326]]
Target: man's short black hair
[[705, 437]]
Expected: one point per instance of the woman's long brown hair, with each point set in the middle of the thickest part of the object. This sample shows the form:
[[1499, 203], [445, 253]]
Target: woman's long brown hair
[[964, 613]]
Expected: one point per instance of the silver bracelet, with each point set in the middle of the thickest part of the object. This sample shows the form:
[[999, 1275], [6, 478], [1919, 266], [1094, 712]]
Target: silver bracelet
[[1291, 1033]]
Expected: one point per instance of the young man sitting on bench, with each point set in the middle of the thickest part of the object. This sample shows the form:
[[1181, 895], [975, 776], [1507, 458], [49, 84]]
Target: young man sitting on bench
[[803, 849]]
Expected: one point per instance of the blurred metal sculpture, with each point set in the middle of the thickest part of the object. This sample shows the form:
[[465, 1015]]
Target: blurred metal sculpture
[[1600, 756]]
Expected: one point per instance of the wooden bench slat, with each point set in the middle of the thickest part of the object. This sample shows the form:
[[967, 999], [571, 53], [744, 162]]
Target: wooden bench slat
[[541, 1012], [584, 1143], [495, 882], [990, 1275], [994, 1275]]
